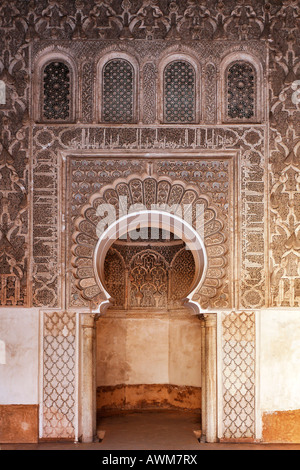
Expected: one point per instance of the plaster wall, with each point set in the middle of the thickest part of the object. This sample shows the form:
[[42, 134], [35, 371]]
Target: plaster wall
[[19, 336], [149, 351], [185, 352], [279, 360]]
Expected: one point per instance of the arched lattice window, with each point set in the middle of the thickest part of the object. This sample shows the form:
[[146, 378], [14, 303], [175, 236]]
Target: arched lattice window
[[179, 92], [241, 91], [118, 92], [56, 92]]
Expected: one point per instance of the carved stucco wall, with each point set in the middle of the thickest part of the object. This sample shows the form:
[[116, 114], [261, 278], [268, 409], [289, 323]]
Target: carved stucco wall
[[215, 178], [157, 273], [151, 191], [32, 248], [23, 23], [59, 375]]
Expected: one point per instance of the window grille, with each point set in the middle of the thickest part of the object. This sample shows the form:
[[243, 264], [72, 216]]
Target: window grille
[[241, 85], [179, 92], [56, 102], [118, 92]]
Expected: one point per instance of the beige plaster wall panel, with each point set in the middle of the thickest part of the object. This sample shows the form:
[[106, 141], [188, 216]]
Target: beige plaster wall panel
[[19, 374], [147, 350], [279, 360], [112, 363], [185, 352], [151, 350]]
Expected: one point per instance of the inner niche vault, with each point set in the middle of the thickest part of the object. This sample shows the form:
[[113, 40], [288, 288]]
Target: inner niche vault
[[149, 273]]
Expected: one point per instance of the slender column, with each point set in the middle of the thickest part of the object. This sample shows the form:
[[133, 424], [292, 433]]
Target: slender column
[[211, 376], [88, 378], [127, 287], [203, 381]]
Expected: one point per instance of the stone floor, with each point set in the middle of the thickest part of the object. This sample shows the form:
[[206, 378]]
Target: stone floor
[[149, 431]]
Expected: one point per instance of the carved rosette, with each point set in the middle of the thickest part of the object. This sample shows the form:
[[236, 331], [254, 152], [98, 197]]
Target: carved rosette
[[151, 193]]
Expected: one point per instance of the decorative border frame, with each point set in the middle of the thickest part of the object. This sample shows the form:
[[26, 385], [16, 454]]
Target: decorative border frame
[[260, 90], [51, 55]]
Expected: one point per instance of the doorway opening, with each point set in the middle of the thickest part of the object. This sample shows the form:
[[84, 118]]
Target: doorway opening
[[149, 337]]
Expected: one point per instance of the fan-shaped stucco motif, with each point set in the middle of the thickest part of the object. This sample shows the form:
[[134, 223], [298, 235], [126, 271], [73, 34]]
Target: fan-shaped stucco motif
[[138, 193]]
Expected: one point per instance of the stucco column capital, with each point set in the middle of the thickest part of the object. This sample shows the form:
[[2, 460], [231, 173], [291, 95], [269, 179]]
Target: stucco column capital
[[88, 320], [210, 320]]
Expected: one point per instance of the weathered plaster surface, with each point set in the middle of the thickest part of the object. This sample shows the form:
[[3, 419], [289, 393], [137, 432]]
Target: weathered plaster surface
[[18, 423], [147, 348], [281, 426], [148, 351], [185, 352], [279, 361], [19, 330], [151, 396]]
